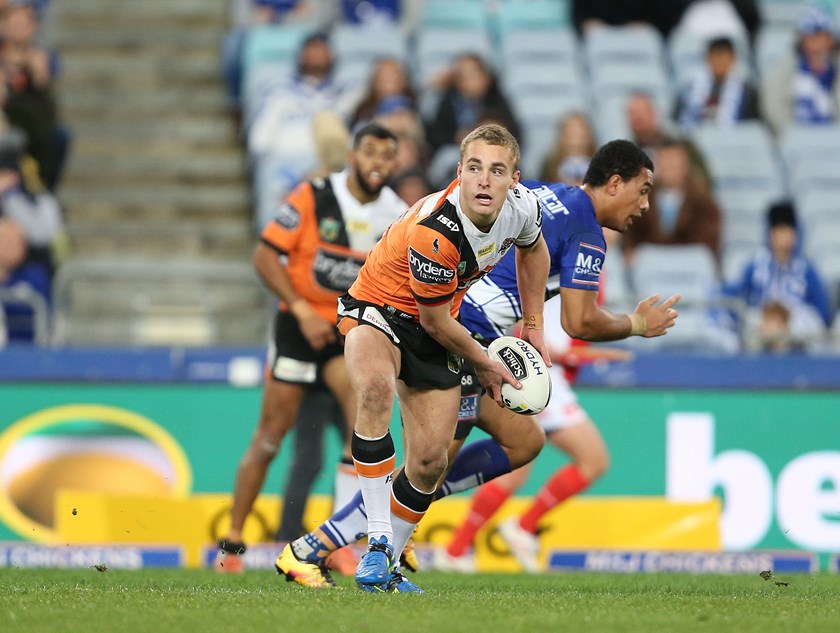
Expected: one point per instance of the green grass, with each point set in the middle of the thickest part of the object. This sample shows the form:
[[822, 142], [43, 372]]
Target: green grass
[[160, 601]]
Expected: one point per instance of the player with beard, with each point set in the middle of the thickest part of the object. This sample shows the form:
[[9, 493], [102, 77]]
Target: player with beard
[[308, 256]]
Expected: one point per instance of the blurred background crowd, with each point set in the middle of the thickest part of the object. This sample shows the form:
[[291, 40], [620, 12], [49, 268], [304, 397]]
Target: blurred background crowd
[[183, 124]]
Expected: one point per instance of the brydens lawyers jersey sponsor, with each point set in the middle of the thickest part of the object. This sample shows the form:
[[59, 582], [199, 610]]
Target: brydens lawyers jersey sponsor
[[434, 252], [577, 248], [326, 234]]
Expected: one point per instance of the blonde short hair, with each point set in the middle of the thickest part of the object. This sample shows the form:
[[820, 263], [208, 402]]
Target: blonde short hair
[[493, 134]]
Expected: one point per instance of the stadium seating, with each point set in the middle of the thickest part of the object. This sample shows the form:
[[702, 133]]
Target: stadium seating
[[691, 271], [623, 44], [531, 16], [539, 115], [772, 43], [358, 47], [436, 48], [780, 12], [520, 48], [686, 55], [799, 143], [469, 14]]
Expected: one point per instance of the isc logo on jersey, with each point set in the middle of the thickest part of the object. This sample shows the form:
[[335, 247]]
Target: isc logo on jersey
[[427, 271], [452, 225]]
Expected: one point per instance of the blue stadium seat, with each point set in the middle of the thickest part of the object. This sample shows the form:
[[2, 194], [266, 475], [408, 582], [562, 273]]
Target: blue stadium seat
[[532, 15], [637, 44], [818, 203], [520, 48], [808, 142], [274, 43], [815, 173], [619, 80], [469, 14], [539, 115], [691, 271], [772, 43], [354, 43], [436, 48], [780, 12]]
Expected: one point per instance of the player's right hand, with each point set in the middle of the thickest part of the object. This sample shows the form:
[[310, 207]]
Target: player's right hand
[[658, 317], [317, 331], [492, 375]]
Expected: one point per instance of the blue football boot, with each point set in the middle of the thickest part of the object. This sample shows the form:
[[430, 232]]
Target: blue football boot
[[398, 583], [374, 570]]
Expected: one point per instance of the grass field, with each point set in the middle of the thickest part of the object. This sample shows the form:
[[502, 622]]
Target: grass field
[[160, 601]]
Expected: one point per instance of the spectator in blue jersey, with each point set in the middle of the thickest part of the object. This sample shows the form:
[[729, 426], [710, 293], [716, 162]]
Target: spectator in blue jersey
[[281, 129], [614, 194], [248, 14], [721, 93], [780, 275], [804, 88]]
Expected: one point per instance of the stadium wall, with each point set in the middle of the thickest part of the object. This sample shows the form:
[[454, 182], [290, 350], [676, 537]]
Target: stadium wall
[[761, 433]]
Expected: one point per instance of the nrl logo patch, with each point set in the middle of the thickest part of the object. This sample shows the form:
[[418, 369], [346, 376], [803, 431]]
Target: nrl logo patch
[[328, 229]]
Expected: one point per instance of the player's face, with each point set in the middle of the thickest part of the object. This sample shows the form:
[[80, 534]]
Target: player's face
[[486, 173], [632, 200], [373, 162]]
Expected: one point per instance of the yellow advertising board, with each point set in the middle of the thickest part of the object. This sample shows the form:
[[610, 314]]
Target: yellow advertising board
[[194, 522]]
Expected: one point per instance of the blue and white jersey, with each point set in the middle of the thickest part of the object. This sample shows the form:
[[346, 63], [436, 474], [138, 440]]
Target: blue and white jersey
[[577, 248]]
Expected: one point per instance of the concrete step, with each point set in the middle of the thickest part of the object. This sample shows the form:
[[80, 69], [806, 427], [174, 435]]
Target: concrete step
[[119, 147], [83, 69], [81, 14], [229, 168], [210, 198], [164, 38], [149, 239], [122, 211], [102, 102], [125, 300], [162, 10], [183, 127]]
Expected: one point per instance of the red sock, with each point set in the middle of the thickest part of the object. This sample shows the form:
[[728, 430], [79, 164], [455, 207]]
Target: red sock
[[487, 499], [563, 484]]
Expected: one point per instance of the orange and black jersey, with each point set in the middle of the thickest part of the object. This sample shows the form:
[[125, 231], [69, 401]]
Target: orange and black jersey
[[434, 253], [325, 234]]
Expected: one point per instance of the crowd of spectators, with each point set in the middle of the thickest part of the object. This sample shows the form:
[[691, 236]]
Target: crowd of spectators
[[33, 150], [431, 112]]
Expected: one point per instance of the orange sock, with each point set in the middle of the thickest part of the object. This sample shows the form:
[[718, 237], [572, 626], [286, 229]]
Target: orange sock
[[487, 499], [563, 484]]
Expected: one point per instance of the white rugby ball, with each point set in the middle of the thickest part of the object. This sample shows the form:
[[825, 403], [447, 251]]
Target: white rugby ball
[[527, 366]]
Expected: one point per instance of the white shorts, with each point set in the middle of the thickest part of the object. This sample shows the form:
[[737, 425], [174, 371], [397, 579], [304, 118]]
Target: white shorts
[[563, 409]]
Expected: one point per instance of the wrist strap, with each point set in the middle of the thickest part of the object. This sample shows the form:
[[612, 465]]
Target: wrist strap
[[532, 321], [638, 324]]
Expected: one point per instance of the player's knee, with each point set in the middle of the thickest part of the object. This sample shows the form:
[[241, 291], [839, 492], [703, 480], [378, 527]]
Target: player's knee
[[594, 465], [376, 397], [533, 442], [266, 441], [428, 470]]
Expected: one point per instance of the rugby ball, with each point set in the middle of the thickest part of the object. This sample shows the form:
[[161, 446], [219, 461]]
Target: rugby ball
[[528, 367]]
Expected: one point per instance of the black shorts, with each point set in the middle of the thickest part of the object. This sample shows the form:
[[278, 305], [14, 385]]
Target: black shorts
[[471, 392], [425, 363], [290, 357]]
